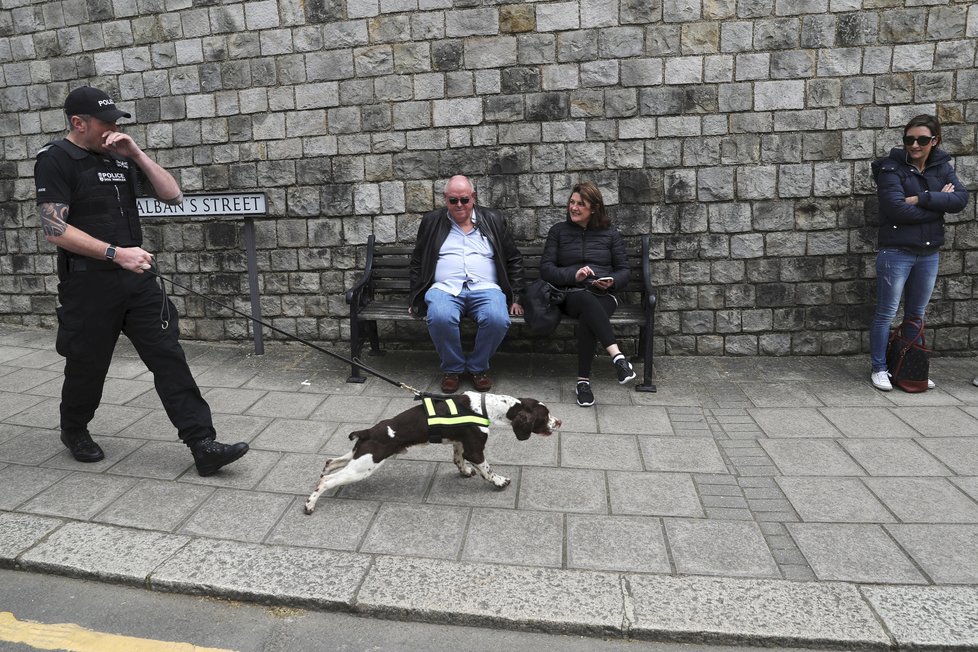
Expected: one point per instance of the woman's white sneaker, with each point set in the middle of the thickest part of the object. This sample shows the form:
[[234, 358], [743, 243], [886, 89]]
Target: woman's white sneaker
[[881, 381], [931, 384]]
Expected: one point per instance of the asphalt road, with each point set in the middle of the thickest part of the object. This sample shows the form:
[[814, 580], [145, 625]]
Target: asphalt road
[[40, 606]]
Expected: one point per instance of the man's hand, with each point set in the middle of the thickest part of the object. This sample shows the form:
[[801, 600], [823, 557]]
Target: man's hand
[[516, 309], [134, 259], [121, 144]]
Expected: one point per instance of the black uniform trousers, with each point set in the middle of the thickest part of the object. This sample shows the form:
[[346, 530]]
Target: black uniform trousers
[[592, 312], [97, 305]]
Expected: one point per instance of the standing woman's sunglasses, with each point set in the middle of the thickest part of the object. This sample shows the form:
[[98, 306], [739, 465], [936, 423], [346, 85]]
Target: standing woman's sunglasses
[[920, 140]]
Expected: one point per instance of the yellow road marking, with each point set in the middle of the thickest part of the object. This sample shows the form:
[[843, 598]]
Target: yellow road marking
[[74, 638]]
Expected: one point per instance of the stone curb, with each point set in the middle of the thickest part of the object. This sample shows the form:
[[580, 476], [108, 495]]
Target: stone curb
[[590, 603]]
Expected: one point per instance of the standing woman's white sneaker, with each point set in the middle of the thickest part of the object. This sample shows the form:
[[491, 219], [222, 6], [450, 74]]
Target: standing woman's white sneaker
[[931, 384], [975, 382], [881, 381]]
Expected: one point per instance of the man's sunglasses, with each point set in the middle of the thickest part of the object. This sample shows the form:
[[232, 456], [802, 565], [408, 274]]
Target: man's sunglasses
[[455, 200], [920, 140]]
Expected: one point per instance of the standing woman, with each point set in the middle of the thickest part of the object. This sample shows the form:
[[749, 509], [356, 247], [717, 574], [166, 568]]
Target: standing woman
[[916, 185], [585, 255]]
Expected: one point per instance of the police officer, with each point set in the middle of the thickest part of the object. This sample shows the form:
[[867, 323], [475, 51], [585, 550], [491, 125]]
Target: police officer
[[86, 195]]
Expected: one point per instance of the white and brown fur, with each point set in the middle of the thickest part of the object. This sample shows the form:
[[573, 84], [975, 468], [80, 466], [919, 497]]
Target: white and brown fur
[[373, 446]]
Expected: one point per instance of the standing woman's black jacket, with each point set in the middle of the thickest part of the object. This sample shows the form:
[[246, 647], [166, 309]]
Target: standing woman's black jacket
[[570, 247], [921, 226]]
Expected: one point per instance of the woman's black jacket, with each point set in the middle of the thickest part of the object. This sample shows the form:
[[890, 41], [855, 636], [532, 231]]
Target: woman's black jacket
[[919, 226], [570, 247]]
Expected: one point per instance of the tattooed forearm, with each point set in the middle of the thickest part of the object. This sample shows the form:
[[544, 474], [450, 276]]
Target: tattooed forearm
[[53, 219]]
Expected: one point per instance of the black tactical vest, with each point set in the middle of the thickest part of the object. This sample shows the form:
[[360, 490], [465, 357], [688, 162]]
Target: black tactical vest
[[103, 202]]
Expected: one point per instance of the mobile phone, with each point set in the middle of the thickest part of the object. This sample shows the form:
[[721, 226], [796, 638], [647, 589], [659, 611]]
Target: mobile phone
[[605, 278]]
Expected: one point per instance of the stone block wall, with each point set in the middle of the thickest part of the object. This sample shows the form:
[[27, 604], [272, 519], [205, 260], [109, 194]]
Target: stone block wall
[[738, 133]]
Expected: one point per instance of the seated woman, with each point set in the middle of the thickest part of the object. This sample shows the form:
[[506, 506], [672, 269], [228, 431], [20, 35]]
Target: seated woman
[[585, 255]]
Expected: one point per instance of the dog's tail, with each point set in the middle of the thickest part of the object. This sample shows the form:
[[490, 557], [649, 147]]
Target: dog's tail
[[358, 434]]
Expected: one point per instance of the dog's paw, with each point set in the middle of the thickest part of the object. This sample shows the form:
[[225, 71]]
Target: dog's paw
[[309, 507], [467, 471], [500, 482]]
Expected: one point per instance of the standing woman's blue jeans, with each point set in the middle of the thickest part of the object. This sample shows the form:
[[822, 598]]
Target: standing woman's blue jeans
[[899, 273]]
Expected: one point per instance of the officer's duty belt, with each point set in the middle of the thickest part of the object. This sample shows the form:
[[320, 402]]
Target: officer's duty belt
[[90, 265]]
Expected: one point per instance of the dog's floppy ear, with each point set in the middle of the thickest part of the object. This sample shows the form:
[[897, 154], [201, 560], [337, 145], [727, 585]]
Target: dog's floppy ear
[[521, 420]]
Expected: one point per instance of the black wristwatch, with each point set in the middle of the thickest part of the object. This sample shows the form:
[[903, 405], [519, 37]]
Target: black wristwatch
[[110, 252]]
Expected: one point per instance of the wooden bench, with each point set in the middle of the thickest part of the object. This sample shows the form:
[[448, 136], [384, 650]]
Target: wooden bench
[[380, 295]]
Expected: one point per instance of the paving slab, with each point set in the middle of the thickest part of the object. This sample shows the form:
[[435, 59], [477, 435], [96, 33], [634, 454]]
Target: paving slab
[[960, 454], [452, 488], [758, 612], [78, 495], [714, 547], [235, 514], [563, 490], [319, 529], [791, 423], [155, 505], [866, 422], [416, 530], [939, 421], [23, 410], [924, 500], [683, 454], [947, 553], [232, 400], [294, 435], [400, 481], [487, 595], [591, 451], [294, 473], [515, 537], [631, 420], [20, 532], [779, 395], [854, 553], [893, 457], [21, 483], [810, 457], [833, 500], [938, 617], [617, 543], [298, 577], [102, 552], [653, 494]]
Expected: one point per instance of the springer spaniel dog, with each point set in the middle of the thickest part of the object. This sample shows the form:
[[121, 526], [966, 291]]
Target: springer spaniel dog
[[417, 425]]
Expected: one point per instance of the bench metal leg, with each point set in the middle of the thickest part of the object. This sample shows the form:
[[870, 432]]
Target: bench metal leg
[[355, 346], [645, 350]]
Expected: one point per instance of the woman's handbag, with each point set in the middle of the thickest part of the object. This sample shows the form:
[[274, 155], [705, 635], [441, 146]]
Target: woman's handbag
[[908, 357], [541, 307]]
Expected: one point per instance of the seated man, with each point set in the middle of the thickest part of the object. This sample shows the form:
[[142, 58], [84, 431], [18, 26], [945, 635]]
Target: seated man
[[465, 263]]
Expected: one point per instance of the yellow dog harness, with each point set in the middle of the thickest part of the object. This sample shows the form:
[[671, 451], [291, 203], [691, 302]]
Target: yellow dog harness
[[454, 417]]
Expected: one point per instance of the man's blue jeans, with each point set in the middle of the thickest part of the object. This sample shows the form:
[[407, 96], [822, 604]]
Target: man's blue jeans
[[899, 273], [491, 314]]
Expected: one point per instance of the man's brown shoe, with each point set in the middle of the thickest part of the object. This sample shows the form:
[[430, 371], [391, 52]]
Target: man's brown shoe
[[449, 383], [482, 382]]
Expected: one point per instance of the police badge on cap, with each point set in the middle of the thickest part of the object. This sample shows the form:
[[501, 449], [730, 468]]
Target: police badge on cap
[[91, 101]]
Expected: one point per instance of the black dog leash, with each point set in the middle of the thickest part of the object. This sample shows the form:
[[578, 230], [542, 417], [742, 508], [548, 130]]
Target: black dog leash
[[154, 270]]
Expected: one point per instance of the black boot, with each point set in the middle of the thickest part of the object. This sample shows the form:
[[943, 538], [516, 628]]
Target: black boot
[[82, 447], [209, 455]]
